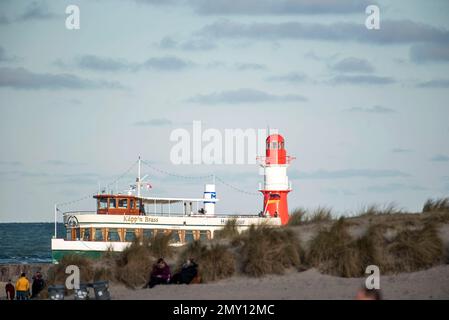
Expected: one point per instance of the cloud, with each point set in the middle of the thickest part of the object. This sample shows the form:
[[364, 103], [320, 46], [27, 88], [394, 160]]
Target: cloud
[[4, 57], [421, 53], [36, 11], [10, 163], [352, 64], [348, 173], [153, 123], [440, 158], [436, 83], [200, 44], [401, 150], [373, 109], [292, 77], [392, 187], [249, 66], [63, 163], [4, 19], [391, 32], [97, 63], [278, 7], [361, 80], [20, 78], [167, 63], [244, 95]]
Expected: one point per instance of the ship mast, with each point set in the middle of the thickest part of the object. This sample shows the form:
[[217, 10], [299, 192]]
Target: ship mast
[[138, 178]]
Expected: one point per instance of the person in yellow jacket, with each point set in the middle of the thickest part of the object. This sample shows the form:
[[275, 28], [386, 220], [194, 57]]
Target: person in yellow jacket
[[22, 287]]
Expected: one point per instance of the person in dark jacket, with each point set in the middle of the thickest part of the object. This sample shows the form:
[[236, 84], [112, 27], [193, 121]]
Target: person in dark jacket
[[38, 285], [189, 270], [160, 274], [10, 291]]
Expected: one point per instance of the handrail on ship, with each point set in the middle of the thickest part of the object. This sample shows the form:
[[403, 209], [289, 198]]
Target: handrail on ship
[[172, 215]]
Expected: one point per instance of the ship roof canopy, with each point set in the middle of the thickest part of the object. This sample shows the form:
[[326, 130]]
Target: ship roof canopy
[[162, 200]]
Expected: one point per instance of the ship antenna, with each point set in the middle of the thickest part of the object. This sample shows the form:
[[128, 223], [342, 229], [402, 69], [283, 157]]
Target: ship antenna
[[138, 178]]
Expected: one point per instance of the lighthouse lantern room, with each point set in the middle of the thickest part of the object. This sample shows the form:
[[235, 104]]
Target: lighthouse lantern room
[[276, 186]]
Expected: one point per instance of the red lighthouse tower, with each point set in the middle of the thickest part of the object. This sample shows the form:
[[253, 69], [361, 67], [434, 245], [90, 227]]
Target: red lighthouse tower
[[276, 185]]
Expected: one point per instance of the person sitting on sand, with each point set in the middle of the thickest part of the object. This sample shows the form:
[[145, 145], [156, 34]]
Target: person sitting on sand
[[22, 287], [160, 274], [189, 270], [368, 294], [10, 291], [38, 285]]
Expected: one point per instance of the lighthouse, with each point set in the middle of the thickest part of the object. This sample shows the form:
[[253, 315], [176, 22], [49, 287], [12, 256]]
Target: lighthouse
[[276, 186]]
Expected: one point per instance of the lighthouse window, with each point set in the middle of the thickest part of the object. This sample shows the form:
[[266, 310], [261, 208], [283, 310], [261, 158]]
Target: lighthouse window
[[281, 145], [123, 203], [103, 203], [274, 145], [112, 203]]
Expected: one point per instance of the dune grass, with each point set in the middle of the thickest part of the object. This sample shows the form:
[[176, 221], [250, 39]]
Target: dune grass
[[228, 231], [266, 250], [133, 265], [436, 205], [57, 275], [376, 209], [302, 216], [414, 250], [214, 262]]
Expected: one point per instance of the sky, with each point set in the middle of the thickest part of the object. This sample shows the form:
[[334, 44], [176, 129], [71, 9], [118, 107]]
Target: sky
[[365, 112]]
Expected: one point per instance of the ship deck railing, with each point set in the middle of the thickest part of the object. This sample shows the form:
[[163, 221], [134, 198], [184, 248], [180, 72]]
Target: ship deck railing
[[164, 214]]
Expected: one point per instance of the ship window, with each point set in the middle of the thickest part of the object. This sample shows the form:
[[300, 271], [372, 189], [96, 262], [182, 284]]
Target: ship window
[[147, 233], [86, 234], [112, 203], [103, 203], [131, 204], [123, 203], [130, 235], [189, 236], [113, 235], [98, 235]]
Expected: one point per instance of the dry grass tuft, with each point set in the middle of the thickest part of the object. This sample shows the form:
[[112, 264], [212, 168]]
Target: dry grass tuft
[[160, 245], [297, 217], [375, 209], [134, 264], [57, 275], [266, 250], [414, 250], [436, 205], [228, 231], [214, 262]]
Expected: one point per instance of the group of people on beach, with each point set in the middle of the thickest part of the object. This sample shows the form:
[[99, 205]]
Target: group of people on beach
[[161, 274], [21, 291]]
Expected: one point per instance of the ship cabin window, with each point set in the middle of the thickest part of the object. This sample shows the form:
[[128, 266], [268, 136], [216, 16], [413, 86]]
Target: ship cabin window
[[98, 234], [102, 203], [130, 235], [123, 203], [131, 204], [147, 233], [113, 235], [112, 203]]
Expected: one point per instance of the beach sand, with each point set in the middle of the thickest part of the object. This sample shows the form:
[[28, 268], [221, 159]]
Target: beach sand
[[429, 284]]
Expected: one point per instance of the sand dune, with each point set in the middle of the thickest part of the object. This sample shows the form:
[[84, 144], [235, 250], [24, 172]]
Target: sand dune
[[429, 284]]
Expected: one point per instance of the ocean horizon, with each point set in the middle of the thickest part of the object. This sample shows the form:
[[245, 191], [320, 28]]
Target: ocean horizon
[[27, 242]]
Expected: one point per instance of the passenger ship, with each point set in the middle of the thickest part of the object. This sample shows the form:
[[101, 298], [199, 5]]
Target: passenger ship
[[121, 218]]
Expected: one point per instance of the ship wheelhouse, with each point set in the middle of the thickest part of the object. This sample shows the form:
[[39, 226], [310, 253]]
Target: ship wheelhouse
[[119, 204]]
